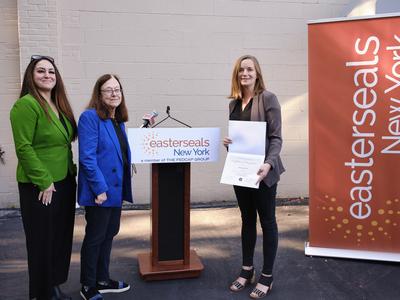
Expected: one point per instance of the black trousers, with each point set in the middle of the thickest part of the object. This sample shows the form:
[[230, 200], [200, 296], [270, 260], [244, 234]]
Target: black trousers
[[261, 201], [102, 224], [48, 230]]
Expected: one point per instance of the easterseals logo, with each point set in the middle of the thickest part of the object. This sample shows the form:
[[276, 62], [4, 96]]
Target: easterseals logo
[[152, 143], [149, 138]]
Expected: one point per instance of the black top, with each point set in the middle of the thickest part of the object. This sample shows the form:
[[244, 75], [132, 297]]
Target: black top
[[124, 150], [241, 115], [63, 122], [122, 142]]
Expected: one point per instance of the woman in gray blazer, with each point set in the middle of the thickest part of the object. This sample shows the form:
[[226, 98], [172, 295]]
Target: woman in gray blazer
[[252, 102]]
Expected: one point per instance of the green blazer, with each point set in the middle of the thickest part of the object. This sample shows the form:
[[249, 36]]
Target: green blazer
[[43, 146]]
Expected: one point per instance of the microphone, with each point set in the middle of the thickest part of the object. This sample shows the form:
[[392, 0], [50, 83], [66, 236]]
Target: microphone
[[148, 119]]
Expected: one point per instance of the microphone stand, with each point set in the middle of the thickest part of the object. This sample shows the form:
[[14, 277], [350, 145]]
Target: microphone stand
[[133, 166], [169, 117], [155, 125]]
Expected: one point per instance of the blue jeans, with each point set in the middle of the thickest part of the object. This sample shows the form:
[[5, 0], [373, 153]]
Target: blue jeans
[[102, 224]]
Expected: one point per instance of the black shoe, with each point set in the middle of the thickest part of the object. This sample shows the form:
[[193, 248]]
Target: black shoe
[[248, 275], [59, 295], [267, 281], [90, 293], [113, 286]]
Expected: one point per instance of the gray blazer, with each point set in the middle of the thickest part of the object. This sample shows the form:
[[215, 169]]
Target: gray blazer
[[266, 108]]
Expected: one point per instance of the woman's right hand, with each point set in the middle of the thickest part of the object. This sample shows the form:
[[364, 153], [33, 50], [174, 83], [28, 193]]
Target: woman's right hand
[[227, 141], [101, 198], [46, 195]]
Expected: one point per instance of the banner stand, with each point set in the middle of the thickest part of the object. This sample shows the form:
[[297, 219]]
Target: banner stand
[[354, 138], [353, 254]]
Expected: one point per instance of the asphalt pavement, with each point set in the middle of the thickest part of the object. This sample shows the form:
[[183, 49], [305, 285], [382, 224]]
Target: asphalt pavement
[[215, 235]]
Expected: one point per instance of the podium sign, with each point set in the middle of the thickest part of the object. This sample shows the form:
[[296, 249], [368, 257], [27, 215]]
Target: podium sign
[[174, 145], [354, 126], [170, 151]]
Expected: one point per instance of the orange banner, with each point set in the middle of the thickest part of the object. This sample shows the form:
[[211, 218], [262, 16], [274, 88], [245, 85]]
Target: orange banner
[[354, 132]]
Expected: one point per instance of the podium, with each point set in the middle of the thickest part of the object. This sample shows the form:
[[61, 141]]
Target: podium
[[170, 256], [170, 151]]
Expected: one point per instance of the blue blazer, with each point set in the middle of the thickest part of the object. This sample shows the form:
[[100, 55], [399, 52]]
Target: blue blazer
[[100, 162]]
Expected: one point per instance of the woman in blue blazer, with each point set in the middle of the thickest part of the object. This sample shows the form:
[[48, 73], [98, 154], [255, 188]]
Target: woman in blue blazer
[[104, 182]]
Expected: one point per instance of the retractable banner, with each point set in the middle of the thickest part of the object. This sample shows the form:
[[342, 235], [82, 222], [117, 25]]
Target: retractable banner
[[354, 135]]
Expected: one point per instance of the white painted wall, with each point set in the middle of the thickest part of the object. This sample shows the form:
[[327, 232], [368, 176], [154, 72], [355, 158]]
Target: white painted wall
[[176, 52]]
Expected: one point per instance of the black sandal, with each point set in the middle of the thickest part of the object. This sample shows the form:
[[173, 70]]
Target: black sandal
[[266, 281], [248, 275]]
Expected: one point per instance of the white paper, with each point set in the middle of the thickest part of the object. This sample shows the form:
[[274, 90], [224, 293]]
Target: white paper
[[241, 169], [246, 153], [247, 137]]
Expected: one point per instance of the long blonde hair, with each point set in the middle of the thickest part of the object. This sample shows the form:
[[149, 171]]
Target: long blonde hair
[[236, 89]]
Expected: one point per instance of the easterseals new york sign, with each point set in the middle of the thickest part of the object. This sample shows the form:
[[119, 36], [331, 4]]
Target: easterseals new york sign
[[173, 145], [354, 123]]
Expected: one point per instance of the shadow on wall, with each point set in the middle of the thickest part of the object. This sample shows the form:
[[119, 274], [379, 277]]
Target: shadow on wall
[[295, 129], [371, 7]]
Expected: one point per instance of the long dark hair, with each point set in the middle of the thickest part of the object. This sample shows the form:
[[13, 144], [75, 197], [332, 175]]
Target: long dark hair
[[121, 112], [58, 94]]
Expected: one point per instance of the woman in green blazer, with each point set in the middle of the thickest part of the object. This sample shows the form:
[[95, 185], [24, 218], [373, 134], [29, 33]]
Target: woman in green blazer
[[43, 127]]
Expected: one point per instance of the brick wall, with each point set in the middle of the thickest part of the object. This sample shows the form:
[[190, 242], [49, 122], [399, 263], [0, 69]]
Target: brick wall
[[9, 90], [38, 30]]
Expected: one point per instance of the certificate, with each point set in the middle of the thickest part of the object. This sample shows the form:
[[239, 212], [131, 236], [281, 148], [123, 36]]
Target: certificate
[[246, 153]]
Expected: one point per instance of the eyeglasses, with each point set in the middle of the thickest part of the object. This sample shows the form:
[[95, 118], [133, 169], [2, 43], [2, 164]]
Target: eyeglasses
[[38, 57], [109, 92]]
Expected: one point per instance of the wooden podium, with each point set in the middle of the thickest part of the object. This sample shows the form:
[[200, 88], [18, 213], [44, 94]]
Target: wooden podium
[[170, 256]]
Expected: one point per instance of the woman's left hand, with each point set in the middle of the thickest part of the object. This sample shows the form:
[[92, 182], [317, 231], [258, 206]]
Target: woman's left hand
[[263, 172], [46, 196], [101, 198]]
